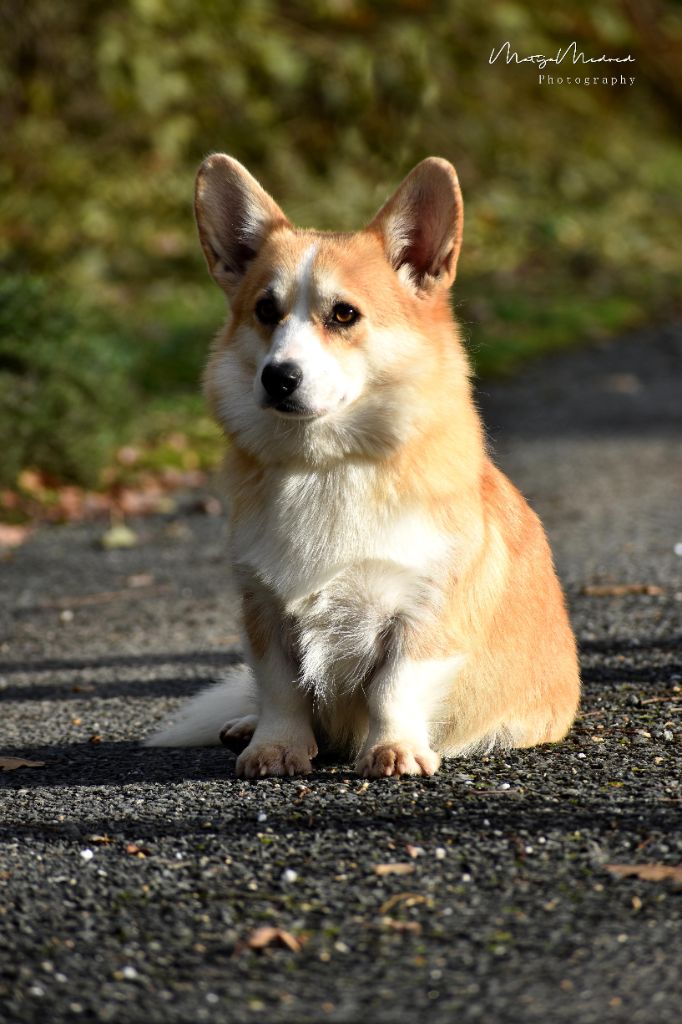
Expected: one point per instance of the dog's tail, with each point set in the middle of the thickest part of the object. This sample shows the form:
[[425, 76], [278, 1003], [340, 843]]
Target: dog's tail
[[198, 723]]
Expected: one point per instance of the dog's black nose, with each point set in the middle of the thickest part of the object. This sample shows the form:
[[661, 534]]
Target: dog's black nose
[[281, 379]]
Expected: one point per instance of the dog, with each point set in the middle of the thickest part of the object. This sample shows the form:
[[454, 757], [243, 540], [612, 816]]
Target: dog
[[398, 595]]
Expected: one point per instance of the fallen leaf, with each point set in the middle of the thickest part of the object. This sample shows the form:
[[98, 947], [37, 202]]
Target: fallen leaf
[[119, 536], [267, 935], [621, 589], [401, 926], [100, 840], [140, 579], [133, 850], [95, 739], [648, 872], [408, 899], [393, 869], [12, 536], [622, 383], [10, 764]]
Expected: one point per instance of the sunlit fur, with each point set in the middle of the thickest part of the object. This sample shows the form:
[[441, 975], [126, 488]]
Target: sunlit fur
[[399, 597]]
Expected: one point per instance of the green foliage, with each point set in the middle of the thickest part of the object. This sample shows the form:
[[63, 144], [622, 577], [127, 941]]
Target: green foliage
[[571, 193], [64, 392], [109, 108]]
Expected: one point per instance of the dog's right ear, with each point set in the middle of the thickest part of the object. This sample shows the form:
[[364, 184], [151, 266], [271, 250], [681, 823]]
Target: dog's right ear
[[234, 216]]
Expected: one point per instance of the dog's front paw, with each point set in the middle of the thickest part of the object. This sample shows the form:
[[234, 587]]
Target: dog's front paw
[[260, 759], [396, 759]]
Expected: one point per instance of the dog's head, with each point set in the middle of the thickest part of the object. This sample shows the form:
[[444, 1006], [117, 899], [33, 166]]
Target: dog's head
[[332, 335]]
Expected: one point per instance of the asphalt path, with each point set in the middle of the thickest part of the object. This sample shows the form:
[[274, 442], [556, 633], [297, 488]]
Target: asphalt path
[[134, 883]]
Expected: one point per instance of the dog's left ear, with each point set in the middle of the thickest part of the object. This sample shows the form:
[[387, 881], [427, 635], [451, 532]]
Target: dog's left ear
[[421, 225]]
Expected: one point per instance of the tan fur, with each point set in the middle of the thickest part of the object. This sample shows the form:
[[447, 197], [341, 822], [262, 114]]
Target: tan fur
[[398, 592]]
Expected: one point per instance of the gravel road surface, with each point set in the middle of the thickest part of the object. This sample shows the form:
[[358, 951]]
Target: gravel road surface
[[132, 881]]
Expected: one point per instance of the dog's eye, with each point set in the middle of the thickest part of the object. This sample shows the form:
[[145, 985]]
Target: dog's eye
[[267, 312], [344, 315]]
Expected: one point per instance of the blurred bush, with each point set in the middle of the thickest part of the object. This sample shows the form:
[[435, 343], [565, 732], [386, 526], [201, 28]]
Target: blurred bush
[[63, 382], [571, 192]]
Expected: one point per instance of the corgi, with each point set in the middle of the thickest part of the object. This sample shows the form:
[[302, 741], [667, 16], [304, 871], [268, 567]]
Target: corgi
[[398, 595]]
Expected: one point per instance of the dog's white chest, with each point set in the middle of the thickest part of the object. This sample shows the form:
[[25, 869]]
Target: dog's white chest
[[344, 568], [315, 526]]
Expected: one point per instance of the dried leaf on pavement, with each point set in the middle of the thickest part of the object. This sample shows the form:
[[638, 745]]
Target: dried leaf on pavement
[[268, 935], [12, 536], [621, 589], [394, 925], [140, 579], [137, 851], [405, 899], [118, 536], [648, 872], [393, 869], [10, 764]]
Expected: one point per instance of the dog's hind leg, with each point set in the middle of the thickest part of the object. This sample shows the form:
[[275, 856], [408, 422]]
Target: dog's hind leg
[[237, 732]]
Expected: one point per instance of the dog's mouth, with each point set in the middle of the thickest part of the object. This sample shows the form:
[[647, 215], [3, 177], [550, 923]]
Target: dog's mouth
[[291, 409]]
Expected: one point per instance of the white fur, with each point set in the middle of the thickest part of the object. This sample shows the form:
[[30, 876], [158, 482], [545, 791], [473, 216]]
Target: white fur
[[325, 386], [198, 723], [342, 566], [408, 697], [315, 524]]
